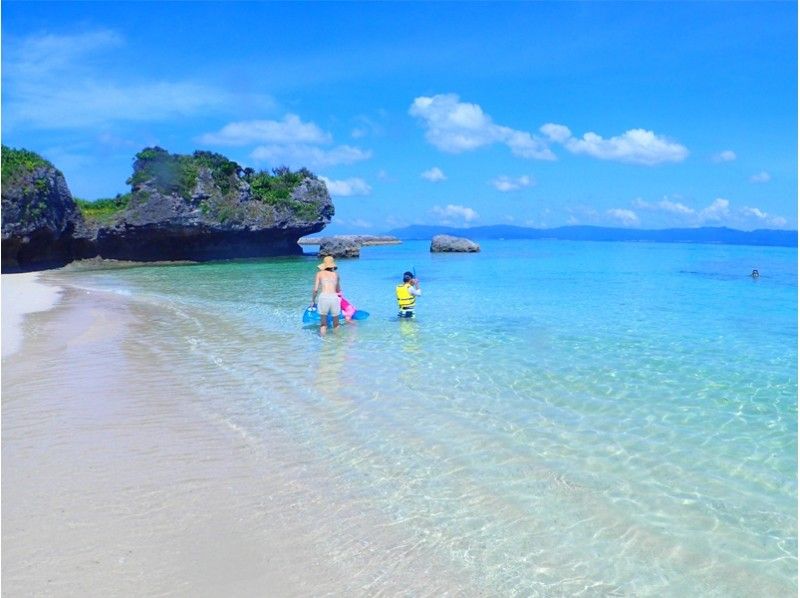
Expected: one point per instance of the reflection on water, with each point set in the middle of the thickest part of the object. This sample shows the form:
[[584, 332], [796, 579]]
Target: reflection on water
[[331, 362]]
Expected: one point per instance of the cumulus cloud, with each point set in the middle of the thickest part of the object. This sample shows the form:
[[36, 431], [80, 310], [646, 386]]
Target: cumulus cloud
[[557, 133], [89, 95], [347, 187], [289, 130], [724, 156], [718, 210], [506, 184], [434, 175], [665, 205], [297, 155], [625, 217], [454, 126], [289, 141], [454, 213], [675, 207], [763, 218], [761, 177], [636, 146]]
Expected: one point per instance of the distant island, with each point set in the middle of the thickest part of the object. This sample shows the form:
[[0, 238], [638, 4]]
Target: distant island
[[719, 235]]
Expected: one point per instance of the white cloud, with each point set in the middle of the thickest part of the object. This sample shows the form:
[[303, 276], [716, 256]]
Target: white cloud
[[297, 155], [451, 213], [724, 156], [717, 211], [665, 205], [636, 146], [626, 217], [454, 126], [763, 217], [675, 207], [754, 212], [289, 141], [348, 187], [761, 177], [505, 183], [434, 175], [47, 54], [290, 130], [65, 81], [557, 133]]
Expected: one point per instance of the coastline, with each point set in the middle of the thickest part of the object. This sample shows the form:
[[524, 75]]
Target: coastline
[[164, 436], [117, 481], [22, 294]]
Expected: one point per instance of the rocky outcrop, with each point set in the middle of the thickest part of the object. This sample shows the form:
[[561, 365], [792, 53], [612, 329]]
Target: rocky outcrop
[[181, 207], [39, 215], [347, 245], [339, 247], [205, 207], [448, 243]]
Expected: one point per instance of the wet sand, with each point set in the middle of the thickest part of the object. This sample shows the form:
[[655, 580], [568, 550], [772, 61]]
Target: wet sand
[[115, 485], [22, 294]]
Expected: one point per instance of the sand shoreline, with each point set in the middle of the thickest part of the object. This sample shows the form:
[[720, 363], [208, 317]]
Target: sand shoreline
[[116, 483], [110, 490], [22, 294]]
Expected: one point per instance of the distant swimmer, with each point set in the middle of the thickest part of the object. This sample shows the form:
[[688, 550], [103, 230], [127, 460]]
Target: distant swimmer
[[755, 274]]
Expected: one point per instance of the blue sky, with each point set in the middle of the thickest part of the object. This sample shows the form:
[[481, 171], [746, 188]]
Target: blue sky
[[646, 115]]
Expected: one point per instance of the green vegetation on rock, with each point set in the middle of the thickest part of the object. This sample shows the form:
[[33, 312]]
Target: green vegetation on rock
[[276, 189], [16, 163], [177, 174], [174, 174], [103, 210]]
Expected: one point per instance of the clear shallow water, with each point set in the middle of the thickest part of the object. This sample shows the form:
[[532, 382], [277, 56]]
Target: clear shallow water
[[562, 418]]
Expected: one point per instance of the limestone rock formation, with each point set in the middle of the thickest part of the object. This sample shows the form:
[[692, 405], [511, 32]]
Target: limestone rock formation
[[181, 207], [339, 247], [449, 243], [39, 214], [204, 207]]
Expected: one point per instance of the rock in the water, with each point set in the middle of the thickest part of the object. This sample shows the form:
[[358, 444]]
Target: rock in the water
[[448, 243], [339, 247]]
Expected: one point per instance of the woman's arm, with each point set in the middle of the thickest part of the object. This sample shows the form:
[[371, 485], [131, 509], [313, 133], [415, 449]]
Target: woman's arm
[[338, 284], [316, 287]]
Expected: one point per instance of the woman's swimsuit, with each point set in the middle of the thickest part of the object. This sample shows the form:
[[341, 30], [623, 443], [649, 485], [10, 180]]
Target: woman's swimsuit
[[328, 301]]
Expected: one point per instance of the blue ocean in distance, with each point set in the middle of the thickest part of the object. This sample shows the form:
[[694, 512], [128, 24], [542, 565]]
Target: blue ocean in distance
[[561, 418]]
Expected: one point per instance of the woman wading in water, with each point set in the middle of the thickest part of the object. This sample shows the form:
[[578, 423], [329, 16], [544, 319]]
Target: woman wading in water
[[326, 289]]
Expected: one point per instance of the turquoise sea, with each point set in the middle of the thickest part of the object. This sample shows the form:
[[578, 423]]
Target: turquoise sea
[[562, 418]]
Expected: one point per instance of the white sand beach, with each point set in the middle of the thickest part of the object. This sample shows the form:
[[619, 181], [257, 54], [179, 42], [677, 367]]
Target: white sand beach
[[114, 484], [22, 294]]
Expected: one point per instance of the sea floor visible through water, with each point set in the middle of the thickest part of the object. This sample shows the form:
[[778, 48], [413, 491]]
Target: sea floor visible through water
[[560, 419]]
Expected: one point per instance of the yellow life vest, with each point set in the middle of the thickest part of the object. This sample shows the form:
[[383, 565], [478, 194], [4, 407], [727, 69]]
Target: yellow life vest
[[405, 300]]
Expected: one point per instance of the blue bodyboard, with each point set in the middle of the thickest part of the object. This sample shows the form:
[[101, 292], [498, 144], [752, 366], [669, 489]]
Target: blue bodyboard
[[311, 316]]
